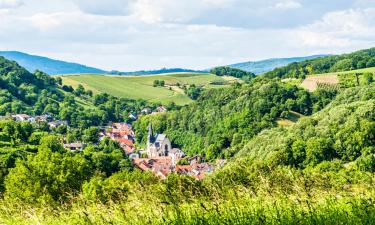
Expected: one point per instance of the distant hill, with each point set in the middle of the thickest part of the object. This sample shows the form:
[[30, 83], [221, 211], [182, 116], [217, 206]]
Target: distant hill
[[47, 65], [155, 72], [335, 63], [263, 66]]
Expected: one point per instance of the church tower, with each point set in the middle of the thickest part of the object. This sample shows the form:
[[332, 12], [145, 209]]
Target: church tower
[[150, 140], [150, 136]]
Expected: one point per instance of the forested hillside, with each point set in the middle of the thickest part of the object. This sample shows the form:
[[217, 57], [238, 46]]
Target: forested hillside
[[47, 65], [263, 66], [222, 120], [341, 133], [336, 63]]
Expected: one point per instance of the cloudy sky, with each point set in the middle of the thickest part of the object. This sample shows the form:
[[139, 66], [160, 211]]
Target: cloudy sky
[[150, 34]]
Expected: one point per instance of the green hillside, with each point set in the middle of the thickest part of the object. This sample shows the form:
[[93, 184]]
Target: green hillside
[[337, 63], [141, 87]]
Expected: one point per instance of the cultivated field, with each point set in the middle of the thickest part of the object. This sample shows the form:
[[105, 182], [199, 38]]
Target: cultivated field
[[311, 83], [332, 80], [141, 87]]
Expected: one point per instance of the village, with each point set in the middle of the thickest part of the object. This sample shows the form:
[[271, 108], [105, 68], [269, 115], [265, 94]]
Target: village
[[158, 156]]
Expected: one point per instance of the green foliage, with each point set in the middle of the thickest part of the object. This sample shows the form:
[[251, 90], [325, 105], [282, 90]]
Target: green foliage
[[159, 83], [116, 187], [356, 60], [193, 92], [228, 71], [91, 135], [344, 130], [348, 80], [46, 177]]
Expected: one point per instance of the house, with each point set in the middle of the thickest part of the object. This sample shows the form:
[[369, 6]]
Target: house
[[160, 166], [176, 154], [57, 123], [161, 109], [121, 133], [23, 118], [134, 156], [127, 145], [146, 111], [158, 145], [184, 169], [43, 118], [75, 146], [201, 170]]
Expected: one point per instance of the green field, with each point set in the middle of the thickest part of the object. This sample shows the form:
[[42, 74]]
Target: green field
[[366, 70], [141, 87]]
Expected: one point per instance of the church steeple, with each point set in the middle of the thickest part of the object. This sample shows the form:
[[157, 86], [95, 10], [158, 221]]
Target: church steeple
[[150, 137]]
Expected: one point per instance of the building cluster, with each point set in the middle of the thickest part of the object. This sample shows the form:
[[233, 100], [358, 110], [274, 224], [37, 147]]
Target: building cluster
[[158, 157], [121, 133], [47, 118], [147, 111], [162, 159]]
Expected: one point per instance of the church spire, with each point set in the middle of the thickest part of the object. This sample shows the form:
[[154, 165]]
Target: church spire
[[150, 136]]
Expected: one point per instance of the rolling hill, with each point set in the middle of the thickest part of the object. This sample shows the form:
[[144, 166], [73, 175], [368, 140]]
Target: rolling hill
[[141, 87], [58, 67], [336, 63], [47, 65], [263, 66]]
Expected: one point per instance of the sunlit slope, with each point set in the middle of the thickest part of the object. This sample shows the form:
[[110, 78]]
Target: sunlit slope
[[141, 87]]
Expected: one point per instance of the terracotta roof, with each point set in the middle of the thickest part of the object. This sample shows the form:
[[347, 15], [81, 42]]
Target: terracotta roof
[[126, 142], [183, 168]]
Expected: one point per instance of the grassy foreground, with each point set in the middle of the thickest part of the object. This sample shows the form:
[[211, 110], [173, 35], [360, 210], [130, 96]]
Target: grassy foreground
[[141, 87], [191, 204]]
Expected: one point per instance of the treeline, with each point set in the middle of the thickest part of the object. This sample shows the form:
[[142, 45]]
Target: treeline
[[228, 71], [356, 60], [223, 120]]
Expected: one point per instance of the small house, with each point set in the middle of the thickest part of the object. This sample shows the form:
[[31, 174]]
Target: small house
[[75, 146]]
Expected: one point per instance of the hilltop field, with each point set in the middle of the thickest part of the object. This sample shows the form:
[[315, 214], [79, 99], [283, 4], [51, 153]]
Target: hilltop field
[[331, 80], [141, 87]]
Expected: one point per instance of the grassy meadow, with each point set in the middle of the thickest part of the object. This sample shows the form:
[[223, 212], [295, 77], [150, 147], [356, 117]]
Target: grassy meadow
[[141, 87], [366, 70]]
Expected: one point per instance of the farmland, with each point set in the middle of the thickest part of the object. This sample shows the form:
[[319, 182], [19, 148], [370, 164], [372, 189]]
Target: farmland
[[312, 82], [141, 87]]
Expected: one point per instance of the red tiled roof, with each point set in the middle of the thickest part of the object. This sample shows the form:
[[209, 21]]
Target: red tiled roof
[[126, 142], [183, 168]]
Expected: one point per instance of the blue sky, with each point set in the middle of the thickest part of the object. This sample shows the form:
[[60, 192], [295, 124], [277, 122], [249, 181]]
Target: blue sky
[[150, 34]]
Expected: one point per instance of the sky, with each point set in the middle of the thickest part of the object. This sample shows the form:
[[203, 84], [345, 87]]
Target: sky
[[131, 35]]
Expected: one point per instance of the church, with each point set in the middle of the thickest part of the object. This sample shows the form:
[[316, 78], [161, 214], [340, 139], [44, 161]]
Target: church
[[158, 145]]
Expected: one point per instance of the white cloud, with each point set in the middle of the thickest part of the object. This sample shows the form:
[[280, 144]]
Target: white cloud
[[106, 7], [145, 34], [340, 29], [7, 4], [288, 4]]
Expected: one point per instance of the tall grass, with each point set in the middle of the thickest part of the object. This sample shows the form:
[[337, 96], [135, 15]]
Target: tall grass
[[235, 210]]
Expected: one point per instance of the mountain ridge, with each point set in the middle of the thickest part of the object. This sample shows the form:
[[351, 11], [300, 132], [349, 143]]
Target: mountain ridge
[[47, 65], [266, 65], [58, 67]]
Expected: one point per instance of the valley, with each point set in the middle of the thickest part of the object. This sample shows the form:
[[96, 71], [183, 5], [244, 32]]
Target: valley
[[185, 147]]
